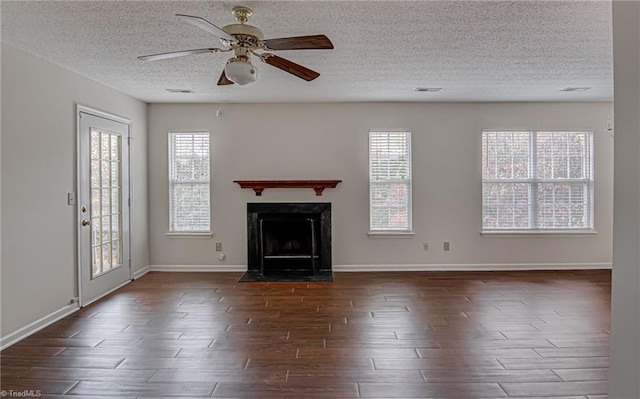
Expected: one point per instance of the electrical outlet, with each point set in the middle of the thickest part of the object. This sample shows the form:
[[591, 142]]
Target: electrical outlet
[[218, 247], [445, 245], [425, 246]]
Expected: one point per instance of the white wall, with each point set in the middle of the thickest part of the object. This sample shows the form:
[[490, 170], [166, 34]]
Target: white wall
[[0, 195], [38, 170], [329, 141], [624, 379]]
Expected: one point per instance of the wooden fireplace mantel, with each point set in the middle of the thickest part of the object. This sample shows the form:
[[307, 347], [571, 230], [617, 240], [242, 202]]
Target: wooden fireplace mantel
[[258, 186]]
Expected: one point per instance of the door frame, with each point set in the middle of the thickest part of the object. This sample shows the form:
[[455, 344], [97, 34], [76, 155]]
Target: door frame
[[106, 115]]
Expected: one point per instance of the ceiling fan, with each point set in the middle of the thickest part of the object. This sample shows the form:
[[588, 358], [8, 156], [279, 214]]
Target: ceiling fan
[[246, 40]]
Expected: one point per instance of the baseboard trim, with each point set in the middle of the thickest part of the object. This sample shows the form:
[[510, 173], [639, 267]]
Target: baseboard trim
[[139, 273], [393, 268], [471, 267], [37, 325], [197, 268]]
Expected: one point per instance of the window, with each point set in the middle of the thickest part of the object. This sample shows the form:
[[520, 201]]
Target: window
[[390, 181], [189, 209], [537, 180]]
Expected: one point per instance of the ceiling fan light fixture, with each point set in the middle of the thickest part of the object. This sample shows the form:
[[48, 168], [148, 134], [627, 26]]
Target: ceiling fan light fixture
[[241, 71]]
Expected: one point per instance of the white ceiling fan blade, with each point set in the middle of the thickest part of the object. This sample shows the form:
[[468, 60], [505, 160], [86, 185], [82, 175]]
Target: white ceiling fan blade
[[208, 26], [175, 54]]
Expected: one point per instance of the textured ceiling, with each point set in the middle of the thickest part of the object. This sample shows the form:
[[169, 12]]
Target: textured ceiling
[[473, 50]]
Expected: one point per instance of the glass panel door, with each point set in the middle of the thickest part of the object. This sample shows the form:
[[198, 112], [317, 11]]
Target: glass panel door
[[103, 205], [106, 202]]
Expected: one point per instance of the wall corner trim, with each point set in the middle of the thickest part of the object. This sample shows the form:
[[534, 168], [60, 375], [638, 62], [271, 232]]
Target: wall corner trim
[[37, 325], [141, 272]]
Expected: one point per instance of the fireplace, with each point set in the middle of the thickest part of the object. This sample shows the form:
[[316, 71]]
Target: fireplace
[[288, 242]]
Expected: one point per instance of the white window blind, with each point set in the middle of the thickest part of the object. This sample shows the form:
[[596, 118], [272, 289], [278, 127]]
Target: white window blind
[[537, 180], [189, 206], [390, 181]]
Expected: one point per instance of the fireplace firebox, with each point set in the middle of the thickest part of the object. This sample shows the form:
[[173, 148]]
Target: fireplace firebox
[[288, 242]]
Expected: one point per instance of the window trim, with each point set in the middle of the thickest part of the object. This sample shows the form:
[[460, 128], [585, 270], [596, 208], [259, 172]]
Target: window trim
[[547, 232], [393, 233], [538, 233], [189, 234], [185, 233]]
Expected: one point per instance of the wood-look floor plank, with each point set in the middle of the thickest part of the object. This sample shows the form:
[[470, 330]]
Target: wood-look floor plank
[[277, 352], [556, 363], [347, 376], [516, 389], [366, 352], [38, 351], [119, 351], [38, 387], [63, 362], [267, 390], [125, 388], [263, 376], [580, 342], [485, 375], [479, 336], [347, 342], [154, 344], [431, 364], [8, 372], [496, 344], [492, 353], [319, 363], [583, 374], [559, 334], [431, 390], [86, 374], [597, 351], [132, 334], [144, 363], [60, 342]]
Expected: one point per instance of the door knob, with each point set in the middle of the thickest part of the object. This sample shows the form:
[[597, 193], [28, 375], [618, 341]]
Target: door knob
[[86, 222]]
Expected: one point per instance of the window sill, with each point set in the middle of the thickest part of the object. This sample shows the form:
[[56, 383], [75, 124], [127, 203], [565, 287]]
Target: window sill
[[186, 235], [539, 233], [391, 234]]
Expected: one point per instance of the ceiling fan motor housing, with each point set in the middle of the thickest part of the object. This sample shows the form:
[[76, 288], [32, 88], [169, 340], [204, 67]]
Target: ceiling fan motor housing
[[242, 29], [248, 38]]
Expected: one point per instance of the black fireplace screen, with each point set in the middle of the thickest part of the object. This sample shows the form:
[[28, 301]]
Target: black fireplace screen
[[289, 238]]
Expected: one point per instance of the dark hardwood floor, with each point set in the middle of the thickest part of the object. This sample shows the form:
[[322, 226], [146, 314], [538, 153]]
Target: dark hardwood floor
[[367, 335]]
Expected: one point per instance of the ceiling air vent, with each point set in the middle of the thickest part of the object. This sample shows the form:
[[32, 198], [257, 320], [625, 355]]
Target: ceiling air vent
[[576, 89], [428, 89], [180, 91]]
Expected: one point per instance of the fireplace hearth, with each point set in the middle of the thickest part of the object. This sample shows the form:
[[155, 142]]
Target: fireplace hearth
[[288, 242]]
